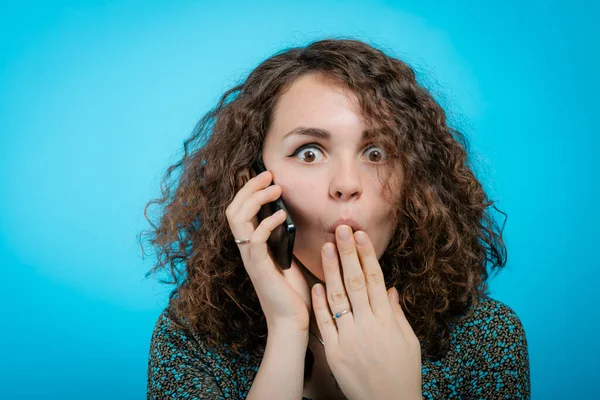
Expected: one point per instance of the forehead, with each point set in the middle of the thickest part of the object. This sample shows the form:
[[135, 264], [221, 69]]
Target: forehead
[[316, 100]]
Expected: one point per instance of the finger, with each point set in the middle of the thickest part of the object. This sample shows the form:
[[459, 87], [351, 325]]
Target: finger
[[250, 208], [258, 240], [375, 282], [259, 182], [244, 222], [325, 321], [336, 292], [354, 278]]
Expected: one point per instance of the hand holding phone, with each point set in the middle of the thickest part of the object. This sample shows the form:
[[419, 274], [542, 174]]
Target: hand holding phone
[[281, 240], [284, 297]]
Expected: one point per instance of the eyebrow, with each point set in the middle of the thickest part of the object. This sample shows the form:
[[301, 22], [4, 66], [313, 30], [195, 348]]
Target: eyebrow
[[318, 133]]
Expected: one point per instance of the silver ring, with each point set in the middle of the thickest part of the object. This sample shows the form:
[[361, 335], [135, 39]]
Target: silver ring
[[242, 241], [337, 315]]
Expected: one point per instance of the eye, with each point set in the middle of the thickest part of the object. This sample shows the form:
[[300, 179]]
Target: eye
[[375, 154], [308, 153]]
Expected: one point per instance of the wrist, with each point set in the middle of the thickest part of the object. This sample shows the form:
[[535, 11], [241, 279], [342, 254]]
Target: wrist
[[287, 336], [288, 328]]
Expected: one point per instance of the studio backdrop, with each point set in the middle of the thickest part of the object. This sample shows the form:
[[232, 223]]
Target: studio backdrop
[[96, 98]]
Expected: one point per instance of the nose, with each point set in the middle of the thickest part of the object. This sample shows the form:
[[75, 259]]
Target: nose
[[346, 181]]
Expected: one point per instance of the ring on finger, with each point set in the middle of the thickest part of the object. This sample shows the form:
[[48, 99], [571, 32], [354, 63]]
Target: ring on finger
[[339, 314], [242, 241]]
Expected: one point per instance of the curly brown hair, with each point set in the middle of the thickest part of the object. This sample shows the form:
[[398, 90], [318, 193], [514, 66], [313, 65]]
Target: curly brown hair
[[445, 237]]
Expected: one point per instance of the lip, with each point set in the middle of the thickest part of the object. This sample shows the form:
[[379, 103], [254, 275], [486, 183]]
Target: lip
[[345, 221]]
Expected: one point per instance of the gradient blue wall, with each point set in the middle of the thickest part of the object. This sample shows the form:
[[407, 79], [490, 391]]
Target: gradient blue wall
[[96, 98]]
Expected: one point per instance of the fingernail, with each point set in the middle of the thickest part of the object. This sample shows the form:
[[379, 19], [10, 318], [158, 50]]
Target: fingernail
[[395, 295], [345, 232], [329, 251], [361, 238], [319, 290]]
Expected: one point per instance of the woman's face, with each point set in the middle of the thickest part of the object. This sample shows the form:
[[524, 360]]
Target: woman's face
[[327, 170]]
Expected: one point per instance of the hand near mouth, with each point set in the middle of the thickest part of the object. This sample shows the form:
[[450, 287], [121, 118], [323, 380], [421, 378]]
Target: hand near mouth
[[370, 346]]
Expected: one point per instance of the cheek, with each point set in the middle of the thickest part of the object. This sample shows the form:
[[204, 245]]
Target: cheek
[[382, 237], [382, 228], [301, 198]]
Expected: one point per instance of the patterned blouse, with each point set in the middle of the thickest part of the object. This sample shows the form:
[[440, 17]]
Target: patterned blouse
[[488, 359]]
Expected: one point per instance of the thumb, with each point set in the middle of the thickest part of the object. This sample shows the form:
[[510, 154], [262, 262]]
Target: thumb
[[296, 279]]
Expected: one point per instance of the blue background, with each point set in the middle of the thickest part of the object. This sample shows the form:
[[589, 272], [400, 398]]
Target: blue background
[[96, 98]]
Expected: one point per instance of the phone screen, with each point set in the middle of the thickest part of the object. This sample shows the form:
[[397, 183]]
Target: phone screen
[[281, 240]]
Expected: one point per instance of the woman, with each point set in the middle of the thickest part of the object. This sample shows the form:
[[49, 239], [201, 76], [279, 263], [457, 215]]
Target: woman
[[386, 297]]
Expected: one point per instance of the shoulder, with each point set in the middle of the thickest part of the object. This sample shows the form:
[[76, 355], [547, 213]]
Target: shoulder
[[172, 342], [176, 365], [172, 334], [166, 331], [491, 318], [492, 344], [181, 359]]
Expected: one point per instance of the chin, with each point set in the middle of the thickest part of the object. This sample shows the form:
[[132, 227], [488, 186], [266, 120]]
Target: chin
[[312, 266], [320, 276]]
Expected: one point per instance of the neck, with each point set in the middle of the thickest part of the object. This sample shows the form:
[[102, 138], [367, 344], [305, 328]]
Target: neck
[[311, 279]]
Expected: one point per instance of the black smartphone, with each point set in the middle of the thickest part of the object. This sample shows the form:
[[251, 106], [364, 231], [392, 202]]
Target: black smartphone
[[281, 241]]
